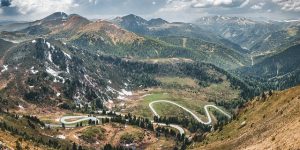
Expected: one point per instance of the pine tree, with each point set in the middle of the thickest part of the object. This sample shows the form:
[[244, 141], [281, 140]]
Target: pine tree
[[108, 147], [18, 145], [63, 126], [74, 147], [80, 147]]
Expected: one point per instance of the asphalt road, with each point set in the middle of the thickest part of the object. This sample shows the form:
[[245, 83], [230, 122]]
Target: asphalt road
[[77, 119], [206, 109]]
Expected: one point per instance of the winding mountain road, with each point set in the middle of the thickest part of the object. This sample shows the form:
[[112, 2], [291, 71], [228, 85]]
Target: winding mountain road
[[206, 107], [78, 119]]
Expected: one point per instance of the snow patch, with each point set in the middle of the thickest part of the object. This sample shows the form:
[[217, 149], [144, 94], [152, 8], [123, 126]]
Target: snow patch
[[68, 55], [57, 94], [126, 93], [33, 41], [50, 56], [87, 78], [48, 44], [121, 98], [61, 137], [111, 89], [68, 70], [33, 71], [21, 107], [267, 38], [52, 72], [5, 68], [55, 74]]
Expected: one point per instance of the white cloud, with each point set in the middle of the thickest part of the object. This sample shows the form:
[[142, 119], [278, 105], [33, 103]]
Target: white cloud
[[245, 3], [288, 5], [207, 3], [258, 6], [176, 5], [93, 1], [42, 7]]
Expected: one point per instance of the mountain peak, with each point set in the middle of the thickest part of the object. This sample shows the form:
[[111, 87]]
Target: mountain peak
[[134, 18], [56, 16], [157, 21], [225, 19]]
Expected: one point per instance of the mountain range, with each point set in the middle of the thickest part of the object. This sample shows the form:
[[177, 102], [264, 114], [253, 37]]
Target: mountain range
[[79, 65], [55, 54]]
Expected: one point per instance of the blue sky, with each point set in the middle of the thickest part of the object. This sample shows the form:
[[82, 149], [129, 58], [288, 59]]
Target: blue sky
[[172, 10]]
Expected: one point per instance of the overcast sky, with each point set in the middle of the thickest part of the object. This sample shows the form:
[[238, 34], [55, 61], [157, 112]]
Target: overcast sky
[[171, 10]]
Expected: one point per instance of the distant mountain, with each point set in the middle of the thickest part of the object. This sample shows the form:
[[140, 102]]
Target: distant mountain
[[55, 16], [161, 28], [6, 22], [105, 37], [51, 23], [280, 70], [108, 38], [157, 22], [275, 41], [242, 31], [15, 26], [132, 23]]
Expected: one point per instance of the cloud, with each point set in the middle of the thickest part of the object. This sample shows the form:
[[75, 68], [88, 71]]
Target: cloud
[[5, 3], [176, 5], [42, 6], [174, 10], [245, 3], [258, 6], [288, 5], [208, 3], [95, 2]]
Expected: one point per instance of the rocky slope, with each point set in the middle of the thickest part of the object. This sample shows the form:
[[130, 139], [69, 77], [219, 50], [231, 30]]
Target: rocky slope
[[50, 72], [270, 122]]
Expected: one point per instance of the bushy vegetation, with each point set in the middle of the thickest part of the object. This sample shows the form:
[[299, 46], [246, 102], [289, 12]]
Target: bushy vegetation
[[93, 134], [32, 131]]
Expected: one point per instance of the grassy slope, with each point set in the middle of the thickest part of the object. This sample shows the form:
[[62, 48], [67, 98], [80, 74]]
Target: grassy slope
[[193, 99], [215, 53], [270, 124], [4, 45]]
